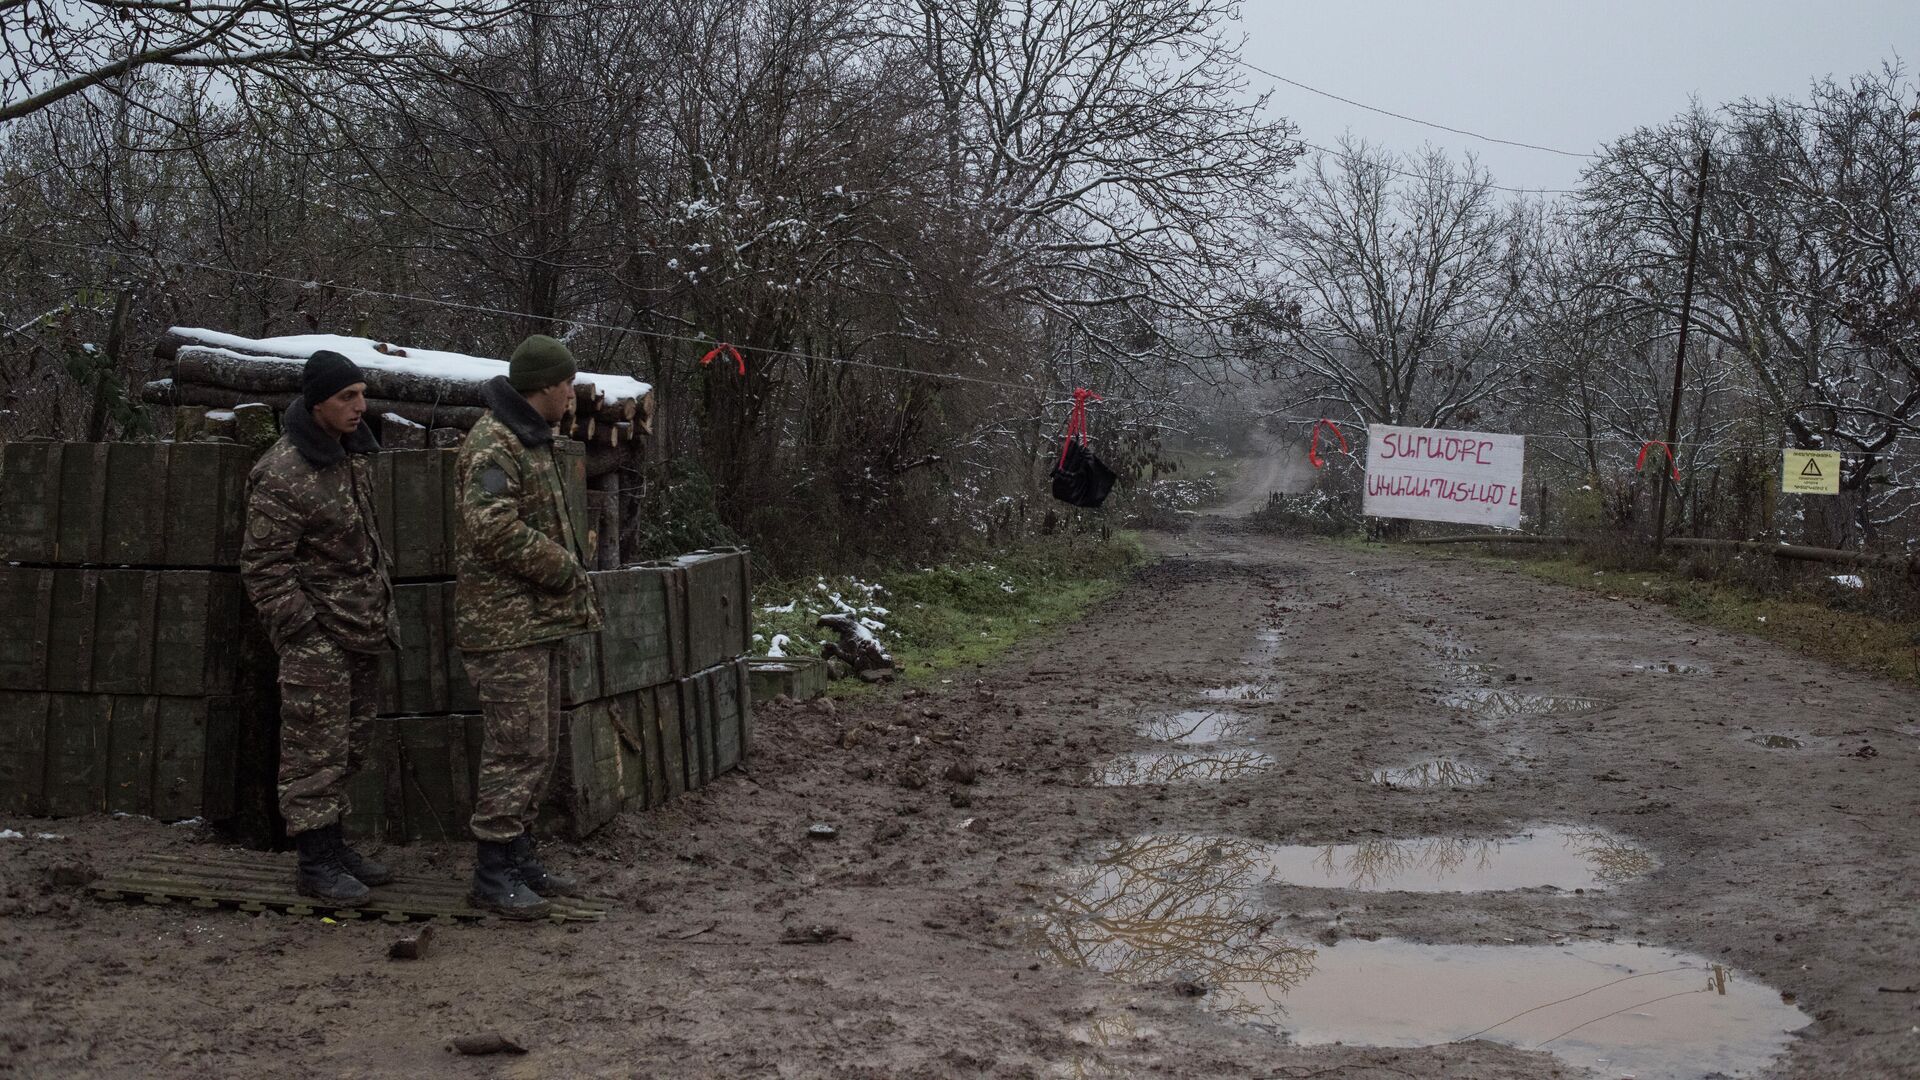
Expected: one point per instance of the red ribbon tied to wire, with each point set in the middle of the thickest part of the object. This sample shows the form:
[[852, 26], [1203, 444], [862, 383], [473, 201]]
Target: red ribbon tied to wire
[[729, 350], [1313, 448], [1077, 420], [1641, 462]]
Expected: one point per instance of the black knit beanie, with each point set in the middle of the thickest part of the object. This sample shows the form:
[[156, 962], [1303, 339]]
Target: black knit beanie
[[538, 363], [326, 374]]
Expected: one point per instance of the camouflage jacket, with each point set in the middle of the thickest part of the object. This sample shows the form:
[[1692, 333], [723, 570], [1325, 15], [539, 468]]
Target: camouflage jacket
[[312, 553], [521, 564]]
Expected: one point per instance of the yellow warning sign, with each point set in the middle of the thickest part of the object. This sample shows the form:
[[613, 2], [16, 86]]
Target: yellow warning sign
[[1810, 472]]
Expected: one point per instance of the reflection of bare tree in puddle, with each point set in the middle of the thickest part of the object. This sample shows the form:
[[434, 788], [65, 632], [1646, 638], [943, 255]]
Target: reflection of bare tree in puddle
[[1392, 864], [1175, 907], [1196, 726], [1489, 704], [1183, 767], [1370, 860], [1253, 691], [1436, 773], [1449, 645], [1613, 859]]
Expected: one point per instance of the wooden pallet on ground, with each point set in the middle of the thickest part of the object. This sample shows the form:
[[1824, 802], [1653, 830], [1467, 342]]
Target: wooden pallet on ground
[[260, 881]]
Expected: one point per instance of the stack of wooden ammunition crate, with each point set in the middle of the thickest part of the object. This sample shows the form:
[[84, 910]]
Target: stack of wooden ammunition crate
[[134, 678]]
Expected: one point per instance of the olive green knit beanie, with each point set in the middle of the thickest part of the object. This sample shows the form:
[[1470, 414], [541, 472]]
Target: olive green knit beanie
[[538, 363]]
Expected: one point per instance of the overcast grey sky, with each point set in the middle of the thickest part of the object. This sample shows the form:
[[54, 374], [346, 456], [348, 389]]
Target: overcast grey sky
[[1565, 75]]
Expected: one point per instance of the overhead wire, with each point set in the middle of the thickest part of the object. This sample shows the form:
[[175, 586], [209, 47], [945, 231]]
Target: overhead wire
[[1414, 119], [1463, 181], [486, 309], [356, 290]]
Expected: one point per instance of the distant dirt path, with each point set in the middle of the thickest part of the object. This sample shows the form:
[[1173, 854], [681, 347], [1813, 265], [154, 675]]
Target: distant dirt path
[[1797, 868], [1282, 468]]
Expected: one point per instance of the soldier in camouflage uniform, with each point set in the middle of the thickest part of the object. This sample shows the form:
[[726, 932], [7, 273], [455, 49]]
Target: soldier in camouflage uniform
[[313, 566], [522, 591]]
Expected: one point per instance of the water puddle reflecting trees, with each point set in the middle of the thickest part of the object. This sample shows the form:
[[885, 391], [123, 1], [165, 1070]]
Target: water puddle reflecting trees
[[1549, 856], [1161, 908], [1434, 774], [1671, 667], [1491, 704], [1259, 691], [1177, 767], [1197, 727]]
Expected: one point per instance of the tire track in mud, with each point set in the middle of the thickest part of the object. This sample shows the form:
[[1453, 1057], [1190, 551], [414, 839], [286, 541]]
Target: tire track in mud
[[1795, 868]]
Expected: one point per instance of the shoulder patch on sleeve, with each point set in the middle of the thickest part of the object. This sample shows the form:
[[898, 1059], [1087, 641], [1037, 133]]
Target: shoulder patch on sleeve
[[494, 480]]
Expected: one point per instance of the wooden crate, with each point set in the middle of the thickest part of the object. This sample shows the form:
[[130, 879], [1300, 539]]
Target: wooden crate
[[799, 678], [176, 505], [416, 498], [719, 622], [642, 637], [716, 721], [414, 502], [603, 764], [169, 632], [433, 774], [427, 675], [661, 717], [166, 757], [580, 670]]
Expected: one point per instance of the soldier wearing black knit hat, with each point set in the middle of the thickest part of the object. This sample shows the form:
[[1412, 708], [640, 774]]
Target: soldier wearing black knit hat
[[314, 568]]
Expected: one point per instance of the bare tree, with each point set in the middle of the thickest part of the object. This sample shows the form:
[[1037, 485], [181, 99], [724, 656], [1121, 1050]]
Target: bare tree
[[1400, 289], [51, 50], [1809, 263]]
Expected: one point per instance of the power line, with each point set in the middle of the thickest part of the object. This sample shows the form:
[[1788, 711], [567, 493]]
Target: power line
[[1449, 179], [1414, 119], [708, 343], [1603, 437], [484, 309]]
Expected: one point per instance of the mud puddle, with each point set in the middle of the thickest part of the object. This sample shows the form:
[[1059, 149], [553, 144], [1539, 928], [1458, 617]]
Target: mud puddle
[[1199, 727], [1450, 645], [1241, 692], [1490, 704], [1670, 667], [1474, 675], [1177, 767], [1433, 774], [1550, 856], [1165, 909]]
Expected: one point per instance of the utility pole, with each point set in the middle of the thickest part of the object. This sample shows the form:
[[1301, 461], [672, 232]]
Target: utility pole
[[1680, 356]]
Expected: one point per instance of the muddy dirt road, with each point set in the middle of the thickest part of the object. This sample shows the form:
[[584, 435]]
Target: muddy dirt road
[[1585, 857], [1281, 468]]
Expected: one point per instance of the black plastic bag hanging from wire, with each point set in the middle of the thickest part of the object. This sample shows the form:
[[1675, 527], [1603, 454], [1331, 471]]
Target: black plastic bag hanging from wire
[[1080, 478]]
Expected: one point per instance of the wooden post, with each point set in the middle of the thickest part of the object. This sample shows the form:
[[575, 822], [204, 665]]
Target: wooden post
[[255, 426], [189, 422], [1680, 354], [603, 499]]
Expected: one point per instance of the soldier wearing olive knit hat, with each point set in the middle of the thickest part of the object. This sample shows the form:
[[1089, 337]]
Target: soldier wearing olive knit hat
[[522, 591]]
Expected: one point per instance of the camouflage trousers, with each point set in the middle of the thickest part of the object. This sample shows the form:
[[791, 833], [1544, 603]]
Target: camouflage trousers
[[327, 700], [519, 692]]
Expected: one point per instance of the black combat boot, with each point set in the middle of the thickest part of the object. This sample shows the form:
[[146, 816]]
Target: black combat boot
[[322, 875], [538, 877], [367, 870], [497, 886]]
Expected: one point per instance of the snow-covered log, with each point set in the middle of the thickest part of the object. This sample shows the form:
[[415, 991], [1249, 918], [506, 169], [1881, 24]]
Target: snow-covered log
[[170, 392], [394, 372], [857, 646]]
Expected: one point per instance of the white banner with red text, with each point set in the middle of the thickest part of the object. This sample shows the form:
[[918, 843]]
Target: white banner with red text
[[1470, 477]]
